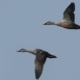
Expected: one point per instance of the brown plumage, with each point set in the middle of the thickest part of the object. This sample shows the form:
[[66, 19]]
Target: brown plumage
[[68, 21], [40, 59]]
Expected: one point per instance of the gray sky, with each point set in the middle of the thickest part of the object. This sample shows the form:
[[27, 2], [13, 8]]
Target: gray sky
[[21, 27]]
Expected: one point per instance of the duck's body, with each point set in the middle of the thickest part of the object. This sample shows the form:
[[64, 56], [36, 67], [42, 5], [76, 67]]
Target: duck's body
[[68, 20], [40, 60], [68, 25]]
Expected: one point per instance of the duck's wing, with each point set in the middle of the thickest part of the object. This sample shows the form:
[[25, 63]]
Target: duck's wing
[[38, 71], [69, 13]]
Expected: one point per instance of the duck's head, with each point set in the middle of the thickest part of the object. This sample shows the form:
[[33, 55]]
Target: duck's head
[[49, 23], [22, 50], [25, 50]]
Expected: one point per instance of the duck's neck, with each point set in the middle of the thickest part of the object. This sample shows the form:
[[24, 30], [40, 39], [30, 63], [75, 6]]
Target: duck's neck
[[53, 23], [30, 51], [58, 24]]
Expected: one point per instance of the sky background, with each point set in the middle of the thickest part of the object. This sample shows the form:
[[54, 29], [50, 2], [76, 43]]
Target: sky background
[[21, 27]]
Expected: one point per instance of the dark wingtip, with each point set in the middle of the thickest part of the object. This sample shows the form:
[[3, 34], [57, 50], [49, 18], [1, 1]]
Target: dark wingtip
[[72, 3]]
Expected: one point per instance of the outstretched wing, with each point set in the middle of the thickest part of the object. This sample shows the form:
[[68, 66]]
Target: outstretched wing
[[38, 70], [69, 12]]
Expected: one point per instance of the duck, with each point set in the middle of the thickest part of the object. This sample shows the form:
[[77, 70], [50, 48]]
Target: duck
[[68, 21], [40, 59]]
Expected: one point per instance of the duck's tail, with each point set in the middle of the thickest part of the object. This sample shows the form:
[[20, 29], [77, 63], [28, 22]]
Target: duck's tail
[[76, 26], [52, 56]]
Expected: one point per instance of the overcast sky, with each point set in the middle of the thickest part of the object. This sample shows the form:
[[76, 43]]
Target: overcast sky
[[21, 27]]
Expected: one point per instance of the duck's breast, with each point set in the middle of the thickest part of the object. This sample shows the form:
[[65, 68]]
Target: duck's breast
[[66, 24]]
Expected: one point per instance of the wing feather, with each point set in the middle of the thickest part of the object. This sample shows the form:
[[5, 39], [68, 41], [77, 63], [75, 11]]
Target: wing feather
[[69, 12]]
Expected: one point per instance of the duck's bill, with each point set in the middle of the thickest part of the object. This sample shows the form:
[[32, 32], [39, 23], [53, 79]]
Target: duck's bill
[[45, 23], [48, 23], [18, 51]]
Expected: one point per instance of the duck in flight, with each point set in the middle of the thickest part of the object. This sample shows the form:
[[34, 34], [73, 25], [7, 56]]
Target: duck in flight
[[40, 59], [68, 20]]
